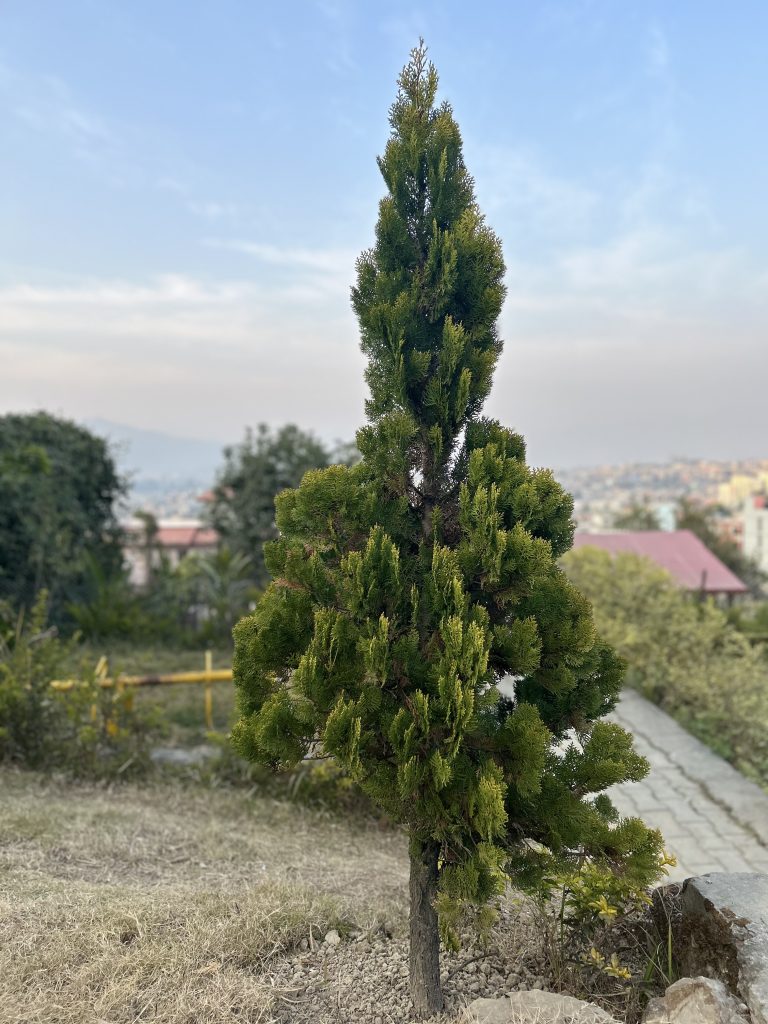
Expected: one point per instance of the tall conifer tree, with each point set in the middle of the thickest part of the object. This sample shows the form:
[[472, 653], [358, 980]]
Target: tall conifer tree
[[407, 587]]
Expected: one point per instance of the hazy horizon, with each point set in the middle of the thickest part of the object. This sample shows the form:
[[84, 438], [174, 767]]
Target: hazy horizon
[[150, 454], [190, 188]]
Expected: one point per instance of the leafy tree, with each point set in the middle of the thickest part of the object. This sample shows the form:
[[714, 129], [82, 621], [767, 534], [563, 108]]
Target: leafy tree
[[58, 490], [221, 583], [683, 654], [703, 521], [254, 472], [637, 517], [406, 588], [112, 608]]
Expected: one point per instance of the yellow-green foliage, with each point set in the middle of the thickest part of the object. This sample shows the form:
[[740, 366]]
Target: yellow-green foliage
[[591, 922], [407, 588], [681, 653]]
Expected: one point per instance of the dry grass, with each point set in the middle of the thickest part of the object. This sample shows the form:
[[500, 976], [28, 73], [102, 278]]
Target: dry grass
[[171, 906]]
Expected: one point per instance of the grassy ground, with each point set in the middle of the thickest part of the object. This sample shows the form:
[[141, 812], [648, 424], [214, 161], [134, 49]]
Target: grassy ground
[[169, 904]]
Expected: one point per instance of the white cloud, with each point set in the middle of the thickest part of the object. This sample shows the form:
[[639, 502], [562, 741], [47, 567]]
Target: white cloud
[[516, 182], [329, 261], [181, 353], [214, 210], [47, 104], [172, 310]]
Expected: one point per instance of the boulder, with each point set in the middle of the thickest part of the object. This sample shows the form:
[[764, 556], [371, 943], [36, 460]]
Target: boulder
[[724, 935], [536, 1005], [696, 1001]]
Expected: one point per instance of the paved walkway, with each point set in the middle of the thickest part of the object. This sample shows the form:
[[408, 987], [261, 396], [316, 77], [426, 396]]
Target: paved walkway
[[712, 818]]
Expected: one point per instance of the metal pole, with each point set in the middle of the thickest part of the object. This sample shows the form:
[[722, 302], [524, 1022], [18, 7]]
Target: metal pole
[[208, 691]]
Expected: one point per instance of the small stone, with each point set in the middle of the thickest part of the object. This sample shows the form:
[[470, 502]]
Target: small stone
[[332, 938], [542, 1007], [695, 1001]]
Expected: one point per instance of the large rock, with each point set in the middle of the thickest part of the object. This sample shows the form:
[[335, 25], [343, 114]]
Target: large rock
[[535, 1005], [696, 1001], [724, 934]]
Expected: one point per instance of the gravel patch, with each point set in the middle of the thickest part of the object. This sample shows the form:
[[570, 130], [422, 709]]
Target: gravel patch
[[362, 977]]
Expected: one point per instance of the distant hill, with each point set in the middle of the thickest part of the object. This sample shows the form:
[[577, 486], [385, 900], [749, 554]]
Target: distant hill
[[152, 456]]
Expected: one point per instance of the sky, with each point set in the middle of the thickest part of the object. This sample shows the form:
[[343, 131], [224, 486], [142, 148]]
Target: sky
[[185, 187]]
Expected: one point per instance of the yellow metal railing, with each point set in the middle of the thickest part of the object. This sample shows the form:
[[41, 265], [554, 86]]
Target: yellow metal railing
[[207, 677]]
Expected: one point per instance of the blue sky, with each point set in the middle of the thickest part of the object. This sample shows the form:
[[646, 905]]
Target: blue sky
[[185, 187]]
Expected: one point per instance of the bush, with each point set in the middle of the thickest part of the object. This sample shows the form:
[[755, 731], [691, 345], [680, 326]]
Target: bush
[[682, 654], [87, 730]]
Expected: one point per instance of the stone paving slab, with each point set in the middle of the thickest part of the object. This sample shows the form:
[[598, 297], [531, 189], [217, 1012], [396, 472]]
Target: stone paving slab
[[712, 818]]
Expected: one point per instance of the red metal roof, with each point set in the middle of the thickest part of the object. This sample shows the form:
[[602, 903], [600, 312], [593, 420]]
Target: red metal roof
[[680, 552], [186, 537]]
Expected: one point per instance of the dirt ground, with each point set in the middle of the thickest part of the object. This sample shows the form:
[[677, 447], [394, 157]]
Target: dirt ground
[[172, 905]]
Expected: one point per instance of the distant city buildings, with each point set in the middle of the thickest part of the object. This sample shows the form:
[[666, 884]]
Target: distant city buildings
[[741, 486], [604, 492], [600, 493]]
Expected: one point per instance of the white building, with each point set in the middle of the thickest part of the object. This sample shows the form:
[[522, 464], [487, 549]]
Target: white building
[[755, 542], [175, 538]]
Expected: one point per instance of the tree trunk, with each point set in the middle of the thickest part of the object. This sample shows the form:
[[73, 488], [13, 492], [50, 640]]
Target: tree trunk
[[426, 993]]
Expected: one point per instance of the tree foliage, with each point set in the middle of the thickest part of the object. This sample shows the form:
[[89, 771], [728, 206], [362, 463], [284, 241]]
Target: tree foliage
[[406, 588], [58, 490], [254, 472], [703, 521], [637, 516], [681, 653]]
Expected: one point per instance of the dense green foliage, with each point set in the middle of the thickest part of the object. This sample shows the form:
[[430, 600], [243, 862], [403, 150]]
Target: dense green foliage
[[751, 619], [254, 472], [85, 731], [406, 588], [58, 489], [682, 653]]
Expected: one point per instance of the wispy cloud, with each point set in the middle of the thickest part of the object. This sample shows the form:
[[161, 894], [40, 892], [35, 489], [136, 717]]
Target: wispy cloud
[[514, 181], [189, 349], [172, 308], [48, 105], [339, 49], [215, 210], [330, 261]]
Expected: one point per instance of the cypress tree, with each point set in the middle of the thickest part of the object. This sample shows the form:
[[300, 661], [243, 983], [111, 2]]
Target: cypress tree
[[406, 588]]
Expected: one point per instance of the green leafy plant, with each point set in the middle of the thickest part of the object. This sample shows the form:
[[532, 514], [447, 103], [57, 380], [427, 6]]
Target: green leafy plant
[[407, 587], [86, 730], [683, 654]]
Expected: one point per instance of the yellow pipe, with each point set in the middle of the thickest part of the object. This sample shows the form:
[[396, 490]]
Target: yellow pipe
[[208, 691], [216, 675]]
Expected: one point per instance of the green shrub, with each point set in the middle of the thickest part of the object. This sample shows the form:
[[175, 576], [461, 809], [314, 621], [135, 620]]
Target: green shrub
[[682, 653], [86, 730]]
